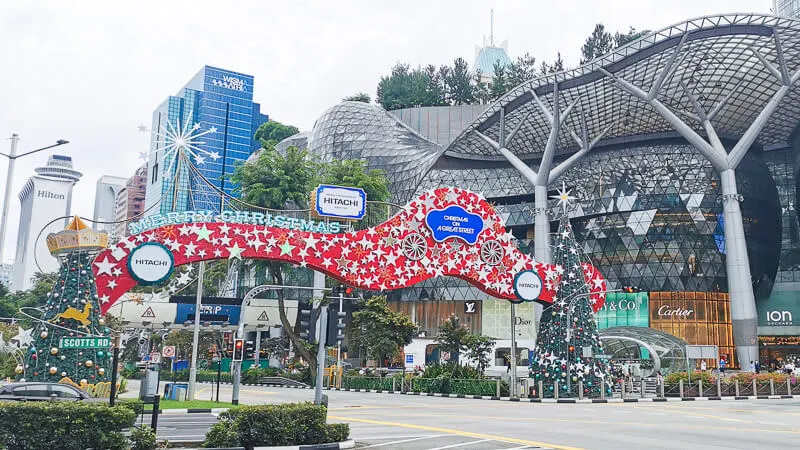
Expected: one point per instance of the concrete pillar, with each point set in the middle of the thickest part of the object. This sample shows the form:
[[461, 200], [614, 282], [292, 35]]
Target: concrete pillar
[[541, 251], [740, 286]]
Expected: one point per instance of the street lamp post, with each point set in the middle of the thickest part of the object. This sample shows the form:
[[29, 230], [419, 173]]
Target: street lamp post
[[12, 159]]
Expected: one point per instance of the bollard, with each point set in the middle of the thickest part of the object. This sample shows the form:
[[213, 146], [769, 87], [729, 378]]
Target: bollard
[[541, 389], [154, 418], [555, 389], [603, 390], [736, 386], [630, 385], [393, 383], [700, 387], [788, 386], [755, 387], [771, 386], [622, 389], [498, 387], [661, 383], [680, 388], [719, 387], [642, 386], [580, 389]]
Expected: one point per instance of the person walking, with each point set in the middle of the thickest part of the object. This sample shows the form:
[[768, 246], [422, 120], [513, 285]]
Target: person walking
[[752, 366], [722, 364], [703, 366]]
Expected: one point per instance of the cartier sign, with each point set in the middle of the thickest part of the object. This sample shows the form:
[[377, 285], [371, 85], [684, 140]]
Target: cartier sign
[[674, 312]]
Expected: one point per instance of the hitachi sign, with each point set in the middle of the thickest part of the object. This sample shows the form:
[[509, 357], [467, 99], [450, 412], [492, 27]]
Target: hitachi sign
[[48, 194]]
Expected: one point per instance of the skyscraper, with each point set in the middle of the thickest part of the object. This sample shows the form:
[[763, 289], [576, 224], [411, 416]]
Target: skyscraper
[[786, 8], [129, 203], [105, 200], [214, 99], [45, 197]]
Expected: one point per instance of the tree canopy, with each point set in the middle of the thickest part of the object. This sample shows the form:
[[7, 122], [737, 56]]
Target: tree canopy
[[272, 132], [380, 331], [358, 97]]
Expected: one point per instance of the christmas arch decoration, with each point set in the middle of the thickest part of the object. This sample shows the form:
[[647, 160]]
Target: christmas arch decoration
[[444, 232]]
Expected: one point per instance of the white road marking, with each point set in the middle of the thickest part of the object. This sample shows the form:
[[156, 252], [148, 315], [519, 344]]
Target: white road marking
[[460, 444], [404, 440]]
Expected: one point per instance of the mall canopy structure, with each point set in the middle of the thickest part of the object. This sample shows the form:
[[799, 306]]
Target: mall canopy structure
[[722, 83], [667, 352]]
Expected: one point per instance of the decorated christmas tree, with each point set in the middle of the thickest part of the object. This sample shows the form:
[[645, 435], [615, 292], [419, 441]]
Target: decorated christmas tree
[[568, 326], [69, 338]]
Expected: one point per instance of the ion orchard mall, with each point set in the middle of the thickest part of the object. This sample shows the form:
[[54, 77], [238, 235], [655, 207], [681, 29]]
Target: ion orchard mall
[[681, 149]]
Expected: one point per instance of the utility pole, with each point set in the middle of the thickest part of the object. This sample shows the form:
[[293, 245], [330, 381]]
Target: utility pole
[[323, 321], [201, 267], [512, 388]]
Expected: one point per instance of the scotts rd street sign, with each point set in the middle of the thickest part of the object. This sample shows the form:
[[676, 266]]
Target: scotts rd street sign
[[527, 285], [93, 342], [150, 263], [340, 202]]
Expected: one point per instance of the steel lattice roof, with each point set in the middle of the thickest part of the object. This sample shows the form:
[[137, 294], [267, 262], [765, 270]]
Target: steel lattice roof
[[716, 61]]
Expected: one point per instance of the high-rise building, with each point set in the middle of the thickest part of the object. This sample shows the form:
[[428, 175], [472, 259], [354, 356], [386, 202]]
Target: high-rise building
[[129, 203], [46, 197], [105, 201], [214, 99], [786, 8], [490, 54]]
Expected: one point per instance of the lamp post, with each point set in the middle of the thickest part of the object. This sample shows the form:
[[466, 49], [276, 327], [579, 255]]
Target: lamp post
[[12, 159]]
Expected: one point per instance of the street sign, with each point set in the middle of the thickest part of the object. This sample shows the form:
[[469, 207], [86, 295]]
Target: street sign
[[85, 343], [702, 352], [409, 359], [155, 357], [168, 351]]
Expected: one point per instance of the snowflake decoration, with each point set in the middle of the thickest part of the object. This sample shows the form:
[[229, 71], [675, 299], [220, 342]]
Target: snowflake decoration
[[185, 142], [564, 198]]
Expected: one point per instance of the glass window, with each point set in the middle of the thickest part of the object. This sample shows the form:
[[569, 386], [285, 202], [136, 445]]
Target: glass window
[[64, 392], [32, 390]]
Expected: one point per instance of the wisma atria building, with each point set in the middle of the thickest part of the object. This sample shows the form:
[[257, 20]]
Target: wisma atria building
[[680, 148]]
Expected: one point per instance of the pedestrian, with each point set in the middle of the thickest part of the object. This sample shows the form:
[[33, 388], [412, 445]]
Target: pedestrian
[[703, 366], [758, 367], [722, 365], [659, 378], [752, 366]]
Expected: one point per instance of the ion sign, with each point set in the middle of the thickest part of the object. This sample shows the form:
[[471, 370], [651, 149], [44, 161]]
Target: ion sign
[[150, 263], [527, 285], [341, 202]]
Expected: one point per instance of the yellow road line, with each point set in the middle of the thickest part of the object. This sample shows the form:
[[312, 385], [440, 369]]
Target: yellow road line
[[456, 432]]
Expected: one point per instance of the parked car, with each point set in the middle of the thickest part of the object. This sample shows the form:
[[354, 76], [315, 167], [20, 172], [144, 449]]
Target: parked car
[[44, 391]]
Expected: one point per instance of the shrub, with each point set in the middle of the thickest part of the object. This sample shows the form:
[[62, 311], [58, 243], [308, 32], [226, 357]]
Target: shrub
[[63, 425], [747, 377], [451, 369], [254, 375], [276, 425], [675, 377], [338, 432], [143, 438]]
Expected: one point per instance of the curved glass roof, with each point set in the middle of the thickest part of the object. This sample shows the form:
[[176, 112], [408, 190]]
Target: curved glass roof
[[718, 59], [622, 342]]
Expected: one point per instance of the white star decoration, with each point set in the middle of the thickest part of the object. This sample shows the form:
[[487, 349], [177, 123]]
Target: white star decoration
[[564, 198], [104, 266]]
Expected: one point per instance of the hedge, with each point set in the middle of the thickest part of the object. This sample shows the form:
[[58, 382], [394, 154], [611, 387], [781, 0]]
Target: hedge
[[275, 425], [64, 425]]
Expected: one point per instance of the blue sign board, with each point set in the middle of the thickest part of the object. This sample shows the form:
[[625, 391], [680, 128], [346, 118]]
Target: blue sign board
[[409, 359], [454, 221], [208, 313]]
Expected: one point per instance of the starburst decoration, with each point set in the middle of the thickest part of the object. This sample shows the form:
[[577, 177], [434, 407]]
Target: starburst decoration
[[564, 198], [184, 142]]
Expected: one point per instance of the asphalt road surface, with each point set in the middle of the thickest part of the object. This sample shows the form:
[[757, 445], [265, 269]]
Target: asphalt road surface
[[395, 421]]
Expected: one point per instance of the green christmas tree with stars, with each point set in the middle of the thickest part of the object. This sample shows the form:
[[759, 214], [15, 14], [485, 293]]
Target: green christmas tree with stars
[[568, 325], [70, 311]]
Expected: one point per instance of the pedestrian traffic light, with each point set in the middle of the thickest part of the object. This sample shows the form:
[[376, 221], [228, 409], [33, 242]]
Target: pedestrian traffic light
[[308, 321], [335, 332], [249, 349], [238, 349]]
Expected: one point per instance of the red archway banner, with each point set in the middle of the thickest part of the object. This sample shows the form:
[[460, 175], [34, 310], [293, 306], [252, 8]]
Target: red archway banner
[[445, 232]]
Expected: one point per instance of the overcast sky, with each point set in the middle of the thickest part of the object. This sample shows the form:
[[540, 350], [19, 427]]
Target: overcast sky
[[91, 72]]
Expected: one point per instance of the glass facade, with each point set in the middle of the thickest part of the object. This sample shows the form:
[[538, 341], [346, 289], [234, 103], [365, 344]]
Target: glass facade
[[214, 98]]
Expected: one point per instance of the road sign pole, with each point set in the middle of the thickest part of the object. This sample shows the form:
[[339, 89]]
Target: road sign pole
[[114, 364], [323, 319]]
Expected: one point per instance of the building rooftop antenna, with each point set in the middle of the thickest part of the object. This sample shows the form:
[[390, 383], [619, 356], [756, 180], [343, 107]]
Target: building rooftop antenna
[[491, 27]]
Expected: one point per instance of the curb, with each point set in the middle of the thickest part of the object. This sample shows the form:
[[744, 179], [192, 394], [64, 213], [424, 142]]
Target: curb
[[573, 400], [332, 446], [258, 384], [187, 411]]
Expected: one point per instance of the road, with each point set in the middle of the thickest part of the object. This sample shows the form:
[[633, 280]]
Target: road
[[414, 422]]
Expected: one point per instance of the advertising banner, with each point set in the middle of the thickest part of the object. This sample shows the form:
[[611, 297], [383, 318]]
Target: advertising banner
[[781, 309], [623, 309]]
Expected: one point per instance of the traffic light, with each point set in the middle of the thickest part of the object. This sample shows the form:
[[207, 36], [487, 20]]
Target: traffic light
[[335, 332], [308, 321], [238, 349], [249, 349]]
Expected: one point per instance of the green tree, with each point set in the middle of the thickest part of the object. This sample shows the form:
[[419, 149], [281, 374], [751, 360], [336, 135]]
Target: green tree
[[478, 349], [459, 84], [358, 97], [394, 91], [520, 71], [621, 39], [380, 331], [272, 132], [278, 181], [354, 173], [500, 83], [452, 336], [597, 44]]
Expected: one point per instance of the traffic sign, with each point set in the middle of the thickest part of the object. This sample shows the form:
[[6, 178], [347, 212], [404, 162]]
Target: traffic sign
[[85, 343], [168, 351], [155, 357]]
